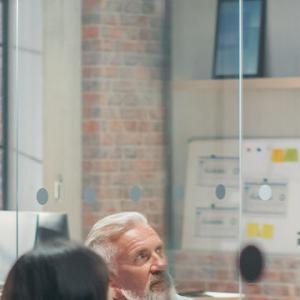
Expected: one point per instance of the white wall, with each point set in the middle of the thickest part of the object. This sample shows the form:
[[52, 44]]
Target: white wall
[[45, 106], [25, 103], [62, 107], [193, 34], [193, 29], [282, 55]]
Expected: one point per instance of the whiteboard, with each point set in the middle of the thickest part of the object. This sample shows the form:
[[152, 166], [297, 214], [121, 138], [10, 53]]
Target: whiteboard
[[220, 213]]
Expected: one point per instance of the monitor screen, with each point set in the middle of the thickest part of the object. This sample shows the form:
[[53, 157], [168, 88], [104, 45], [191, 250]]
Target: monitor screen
[[22, 231], [51, 226]]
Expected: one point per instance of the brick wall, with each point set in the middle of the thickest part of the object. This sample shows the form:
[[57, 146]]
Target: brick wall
[[199, 270], [123, 108]]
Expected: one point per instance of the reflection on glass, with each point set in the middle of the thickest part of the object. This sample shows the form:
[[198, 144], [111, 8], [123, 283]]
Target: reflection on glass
[[93, 113]]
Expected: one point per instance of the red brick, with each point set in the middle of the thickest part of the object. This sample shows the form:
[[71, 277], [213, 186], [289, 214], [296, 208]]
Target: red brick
[[252, 289], [106, 166], [90, 97], [90, 32], [90, 127], [91, 4], [89, 72], [107, 140], [143, 20], [130, 125], [121, 105], [116, 126], [110, 19], [111, 71]]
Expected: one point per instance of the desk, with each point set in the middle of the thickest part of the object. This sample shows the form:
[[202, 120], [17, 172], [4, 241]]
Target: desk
[[211, 298], [213, 295]]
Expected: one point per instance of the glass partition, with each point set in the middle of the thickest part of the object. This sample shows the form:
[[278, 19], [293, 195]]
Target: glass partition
[[271, 163], [145, 106], [43, 183], [205, 147], [113, 108]]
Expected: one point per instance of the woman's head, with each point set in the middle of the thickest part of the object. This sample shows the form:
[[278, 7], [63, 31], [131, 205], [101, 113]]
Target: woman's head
[[57, 271]]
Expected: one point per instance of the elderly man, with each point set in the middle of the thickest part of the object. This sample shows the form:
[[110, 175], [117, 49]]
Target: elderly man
[[135, 256]]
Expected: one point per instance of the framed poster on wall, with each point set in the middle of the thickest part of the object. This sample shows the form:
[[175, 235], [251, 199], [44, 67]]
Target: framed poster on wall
[[226, 52]]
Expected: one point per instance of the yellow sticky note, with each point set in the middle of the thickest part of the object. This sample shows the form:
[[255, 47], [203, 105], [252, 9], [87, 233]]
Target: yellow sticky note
[[252, 230], [277, 155], [291, 154], [267, 231]]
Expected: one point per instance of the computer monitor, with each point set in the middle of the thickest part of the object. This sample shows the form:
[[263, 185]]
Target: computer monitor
[[34, 228], [51, 226]]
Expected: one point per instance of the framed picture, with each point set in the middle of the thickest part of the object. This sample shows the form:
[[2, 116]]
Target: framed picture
[[226, 56]]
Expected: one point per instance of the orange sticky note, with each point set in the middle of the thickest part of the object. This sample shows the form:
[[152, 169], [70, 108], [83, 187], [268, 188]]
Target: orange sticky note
[[277, 155]]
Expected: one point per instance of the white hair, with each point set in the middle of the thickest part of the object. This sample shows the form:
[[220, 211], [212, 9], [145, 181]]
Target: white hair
[[101, 236]]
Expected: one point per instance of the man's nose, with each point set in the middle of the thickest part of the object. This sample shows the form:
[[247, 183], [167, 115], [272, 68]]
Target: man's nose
[[159, 263]]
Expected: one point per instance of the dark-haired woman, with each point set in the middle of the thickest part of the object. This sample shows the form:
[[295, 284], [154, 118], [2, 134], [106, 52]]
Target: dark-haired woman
[[57, 271]]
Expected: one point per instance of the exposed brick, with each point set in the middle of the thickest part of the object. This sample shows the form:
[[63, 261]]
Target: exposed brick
[[92, 86], [133, 6], [116, 126], [91, 18], [133, 114], [149, 7], [113, 32], [94, 100], [110, 19], [111, 71], [106, 166], [90, 32], [90, 127], [92, 72], [288, 276], [252, 289], [115, 6], [130, 99], [96, 45], [91, 5], [122, 108], [276, 290]]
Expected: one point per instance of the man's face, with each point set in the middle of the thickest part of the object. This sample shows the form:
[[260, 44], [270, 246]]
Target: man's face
[[141, 262]]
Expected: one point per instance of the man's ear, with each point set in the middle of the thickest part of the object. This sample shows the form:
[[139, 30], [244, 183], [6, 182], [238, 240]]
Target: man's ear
[[115, 292], [112, 280]]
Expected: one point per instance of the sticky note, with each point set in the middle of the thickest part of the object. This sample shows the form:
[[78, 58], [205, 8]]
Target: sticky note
[[267, 231], [252, 230], [291, 154], [277, 155]]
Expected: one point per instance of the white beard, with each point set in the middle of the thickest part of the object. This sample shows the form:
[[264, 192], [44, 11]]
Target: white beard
[[169, 294]]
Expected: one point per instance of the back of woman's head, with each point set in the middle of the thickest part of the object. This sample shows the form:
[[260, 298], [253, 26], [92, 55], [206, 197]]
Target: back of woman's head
[[57, 271]]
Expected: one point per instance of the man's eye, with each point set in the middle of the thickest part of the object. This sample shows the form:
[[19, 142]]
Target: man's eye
[[160, 251], [141, 257]]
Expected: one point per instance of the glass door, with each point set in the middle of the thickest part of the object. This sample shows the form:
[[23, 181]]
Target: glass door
[[186, 111], [205, 133], [271, 157], [43, 198]]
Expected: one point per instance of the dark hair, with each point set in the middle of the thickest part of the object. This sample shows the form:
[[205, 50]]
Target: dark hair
[[57, 271]]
